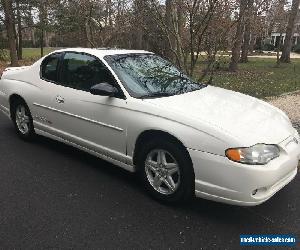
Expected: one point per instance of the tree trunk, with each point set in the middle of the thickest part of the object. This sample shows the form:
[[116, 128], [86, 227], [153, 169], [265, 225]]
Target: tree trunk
[[31, 24], [109, 12], [16, 39], [20, 37], [170, 39], [180, 30], [138, 44], [88, 35], [278, 50], [33, 38], [246, 43], [88, 27], [252, 43], [43, 17], [138, 34], [236, 50], [247, 32], [9, 23], [42, 42], [286, 51]]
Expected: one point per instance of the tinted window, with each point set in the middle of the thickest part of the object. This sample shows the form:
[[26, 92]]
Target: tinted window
[[49, 67], [81, 71]]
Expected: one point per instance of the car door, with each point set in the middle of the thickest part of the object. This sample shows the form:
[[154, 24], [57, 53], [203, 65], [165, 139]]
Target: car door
[[94, 122], [43, 98]]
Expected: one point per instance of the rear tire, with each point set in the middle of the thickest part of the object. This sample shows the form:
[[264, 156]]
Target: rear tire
[[22, 120], [166, 171]]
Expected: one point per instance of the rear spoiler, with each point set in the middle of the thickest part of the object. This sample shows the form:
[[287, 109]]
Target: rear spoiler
[[12, 69], [15, 68]]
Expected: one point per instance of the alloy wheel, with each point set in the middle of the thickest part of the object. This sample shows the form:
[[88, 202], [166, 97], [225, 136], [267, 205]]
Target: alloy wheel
[[22, 119], [162, 171]]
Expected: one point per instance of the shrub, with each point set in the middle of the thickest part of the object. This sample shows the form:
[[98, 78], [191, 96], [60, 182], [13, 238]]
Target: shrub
[[3, 55], [296, 48], [258, 46], [268, 47]]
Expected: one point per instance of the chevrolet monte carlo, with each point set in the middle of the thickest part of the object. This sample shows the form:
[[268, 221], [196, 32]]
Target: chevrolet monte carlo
[[138, 111]]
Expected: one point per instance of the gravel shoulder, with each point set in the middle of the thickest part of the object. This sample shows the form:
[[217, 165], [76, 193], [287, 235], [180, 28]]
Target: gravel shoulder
[[290, 104]]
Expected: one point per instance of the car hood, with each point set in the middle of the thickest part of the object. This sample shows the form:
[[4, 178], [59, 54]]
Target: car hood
[[243, 117]]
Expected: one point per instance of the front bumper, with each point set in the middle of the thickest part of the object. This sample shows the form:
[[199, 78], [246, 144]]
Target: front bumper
[[219, 179]]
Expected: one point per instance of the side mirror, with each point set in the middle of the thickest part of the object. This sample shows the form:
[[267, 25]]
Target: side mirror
[[104, 89]]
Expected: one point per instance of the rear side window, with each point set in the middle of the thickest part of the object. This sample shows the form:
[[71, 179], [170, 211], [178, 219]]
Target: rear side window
[[50, 68], [82, 71]]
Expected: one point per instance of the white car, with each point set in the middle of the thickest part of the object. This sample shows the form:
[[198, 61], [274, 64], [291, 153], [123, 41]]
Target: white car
[[138, 111]]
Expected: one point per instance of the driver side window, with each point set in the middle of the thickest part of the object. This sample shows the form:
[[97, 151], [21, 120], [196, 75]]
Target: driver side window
[[82, 71]]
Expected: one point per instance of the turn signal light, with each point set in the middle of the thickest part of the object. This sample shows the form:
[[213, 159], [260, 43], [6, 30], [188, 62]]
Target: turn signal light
[[233, 154]]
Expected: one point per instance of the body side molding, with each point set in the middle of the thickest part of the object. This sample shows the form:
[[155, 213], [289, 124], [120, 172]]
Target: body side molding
[[79, 117]]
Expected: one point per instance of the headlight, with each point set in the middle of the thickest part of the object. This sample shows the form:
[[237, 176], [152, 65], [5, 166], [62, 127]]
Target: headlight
[[258, 154]]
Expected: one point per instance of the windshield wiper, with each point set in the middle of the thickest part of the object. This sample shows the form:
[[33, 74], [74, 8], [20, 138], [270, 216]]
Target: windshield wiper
[[155, 94]]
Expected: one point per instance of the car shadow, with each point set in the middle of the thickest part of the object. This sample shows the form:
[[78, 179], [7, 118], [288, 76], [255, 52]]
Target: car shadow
[[213, 211], [222, 212], [85, 158]]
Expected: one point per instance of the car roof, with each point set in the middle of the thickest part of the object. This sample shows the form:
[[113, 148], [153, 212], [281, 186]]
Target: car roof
[[101, 52]]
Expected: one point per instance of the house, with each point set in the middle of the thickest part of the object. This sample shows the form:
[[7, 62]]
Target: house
[[276, 34]]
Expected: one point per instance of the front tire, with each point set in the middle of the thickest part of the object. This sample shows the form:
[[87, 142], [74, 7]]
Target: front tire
[[22, 120], [166, 171]]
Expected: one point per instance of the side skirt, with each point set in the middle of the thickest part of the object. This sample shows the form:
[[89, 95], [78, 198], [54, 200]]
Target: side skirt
[[127, 167]]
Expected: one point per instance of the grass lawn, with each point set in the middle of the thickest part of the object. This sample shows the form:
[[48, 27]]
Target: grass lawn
[[35, 53], [30, 54], [261, 78]]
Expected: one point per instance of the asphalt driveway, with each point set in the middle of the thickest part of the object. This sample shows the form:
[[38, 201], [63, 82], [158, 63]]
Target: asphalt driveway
[[54, 196]]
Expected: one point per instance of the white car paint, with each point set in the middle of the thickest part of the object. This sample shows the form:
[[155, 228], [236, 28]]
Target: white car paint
[[207, 122]]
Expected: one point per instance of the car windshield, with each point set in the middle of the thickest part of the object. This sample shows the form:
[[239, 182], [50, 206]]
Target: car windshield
[[150, 76]]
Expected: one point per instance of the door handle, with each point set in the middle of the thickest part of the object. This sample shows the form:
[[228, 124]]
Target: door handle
[[59, 99]]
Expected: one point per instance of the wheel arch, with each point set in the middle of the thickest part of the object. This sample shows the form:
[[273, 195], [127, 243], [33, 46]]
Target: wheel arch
[[13, 98], [150, 133]]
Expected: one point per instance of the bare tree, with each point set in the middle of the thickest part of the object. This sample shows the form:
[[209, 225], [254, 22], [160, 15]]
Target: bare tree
[[88, 10], [279, 18], [138, 35], [247, 32], [9, 22], [170, 38], [286, 51], [185, 27], [20, 37], [191, 33], [236, 49], [43, 22]]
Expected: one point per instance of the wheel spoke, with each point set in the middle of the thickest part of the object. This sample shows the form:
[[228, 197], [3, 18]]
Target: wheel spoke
[[170, 183], [157, 181], [19, 112], [172, 168], [25, 126], [26, 119], [22, 109], [152, 165], [161, 158]]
